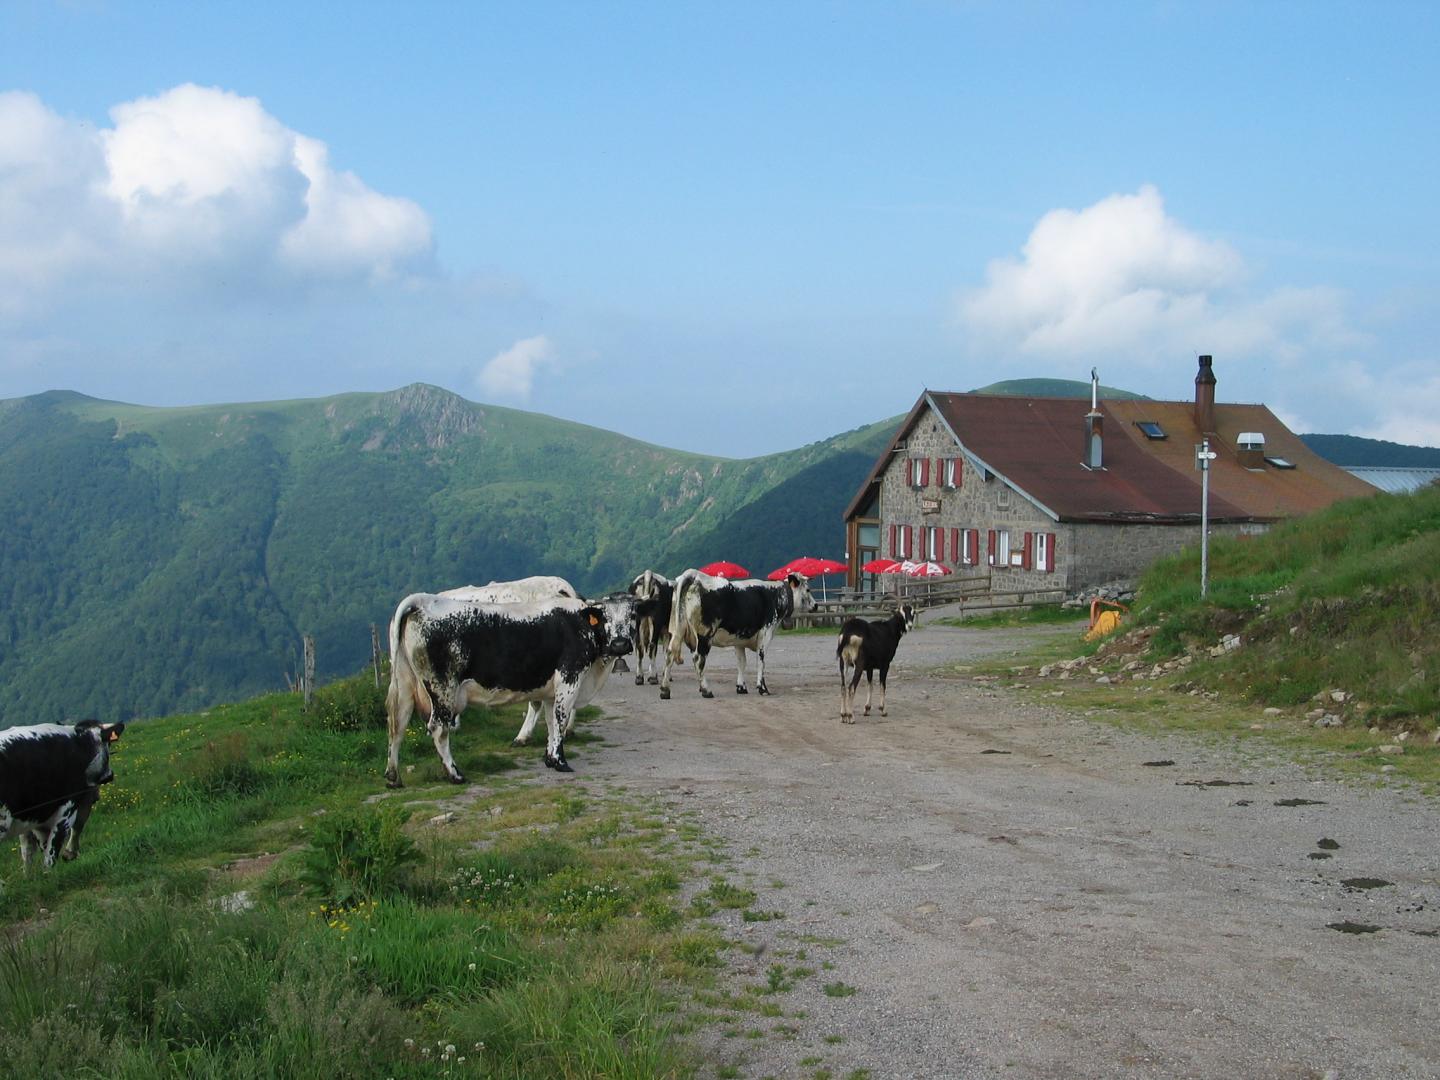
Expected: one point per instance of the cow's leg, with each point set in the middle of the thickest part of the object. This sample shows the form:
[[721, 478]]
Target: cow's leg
[[671, 656], [29, 844], [399, 707], [869, 688], [884, 673], [740, 687], [655, 644], [844, 696], [642, 645], [56, 839], [532, 717], [558, 717], [760, 671], [701, 652], [442, 722]]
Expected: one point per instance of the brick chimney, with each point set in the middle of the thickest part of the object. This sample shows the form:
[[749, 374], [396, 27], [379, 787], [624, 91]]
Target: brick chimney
[[1205, 397]]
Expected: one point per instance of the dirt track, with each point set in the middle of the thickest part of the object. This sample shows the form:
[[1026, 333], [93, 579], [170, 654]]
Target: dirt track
[[1015, 893]]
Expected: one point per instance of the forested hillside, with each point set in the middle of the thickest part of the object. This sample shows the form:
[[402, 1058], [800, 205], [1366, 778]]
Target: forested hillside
[[161, 559], [1373, 453]]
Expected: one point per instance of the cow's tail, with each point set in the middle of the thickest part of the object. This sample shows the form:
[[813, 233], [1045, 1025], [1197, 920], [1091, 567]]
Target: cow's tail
[[404, 680], [683, 585]]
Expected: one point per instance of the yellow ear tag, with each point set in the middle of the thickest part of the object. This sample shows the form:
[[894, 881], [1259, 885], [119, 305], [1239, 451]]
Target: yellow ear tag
[[594, 620]]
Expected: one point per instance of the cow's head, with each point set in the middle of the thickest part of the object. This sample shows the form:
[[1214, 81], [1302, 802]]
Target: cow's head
[[800, 592], [906, 615], [102, 736], [620, 612]]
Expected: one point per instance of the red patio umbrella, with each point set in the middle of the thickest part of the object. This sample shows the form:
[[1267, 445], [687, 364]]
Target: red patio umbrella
[[879, 566], [809, 566], [725, 570], [926, 569]]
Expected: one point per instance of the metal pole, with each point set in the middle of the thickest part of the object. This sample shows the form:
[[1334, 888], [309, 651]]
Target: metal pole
[[1205, 458]]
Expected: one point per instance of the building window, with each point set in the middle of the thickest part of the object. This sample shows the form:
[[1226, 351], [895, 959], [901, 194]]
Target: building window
[[1280, 462], [950, 472], [1150, 429], [1045, 552], [902, 541], [918, 473], [934, 543], [1002, 547], [1002, 499]]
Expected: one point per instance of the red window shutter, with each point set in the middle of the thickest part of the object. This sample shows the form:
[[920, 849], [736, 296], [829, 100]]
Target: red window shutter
[[955, 544], [990, 547], [909, 541], [1053, 562], [1027, 553], [959, 472], [939, 545], [894, 550], [924, 471], [974, 546]]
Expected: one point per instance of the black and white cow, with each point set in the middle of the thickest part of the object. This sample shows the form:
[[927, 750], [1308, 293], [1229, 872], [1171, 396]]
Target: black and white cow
[[521, 591], [652, 631], [869, 647], [447, 653], [50, 777], [621, 609], [710, 611]]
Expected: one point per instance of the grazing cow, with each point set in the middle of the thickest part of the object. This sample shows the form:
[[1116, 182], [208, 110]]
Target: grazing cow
[[50, 777], [521, 591], [653, 631], [745, 614], [447, 653], [868, 647]]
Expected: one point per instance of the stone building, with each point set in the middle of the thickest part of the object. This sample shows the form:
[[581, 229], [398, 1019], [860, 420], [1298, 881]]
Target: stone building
[[1061, 493]]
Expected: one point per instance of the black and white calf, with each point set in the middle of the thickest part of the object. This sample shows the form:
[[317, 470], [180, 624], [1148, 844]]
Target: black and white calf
[[447, 653], [652, 631], [869, 647], [711, 611], [50, 777]]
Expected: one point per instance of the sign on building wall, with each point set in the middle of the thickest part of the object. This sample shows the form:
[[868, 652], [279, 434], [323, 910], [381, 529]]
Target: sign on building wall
[[929, 506]]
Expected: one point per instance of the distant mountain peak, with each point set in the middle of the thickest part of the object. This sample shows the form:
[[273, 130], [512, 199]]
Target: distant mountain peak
[[439, 416]]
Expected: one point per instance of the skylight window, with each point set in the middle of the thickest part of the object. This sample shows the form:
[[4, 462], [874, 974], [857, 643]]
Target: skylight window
[[1280, 462], [1151, 429]]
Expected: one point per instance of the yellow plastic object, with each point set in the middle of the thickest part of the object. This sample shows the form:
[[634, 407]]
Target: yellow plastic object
[[1103, 623], [1107, 622]]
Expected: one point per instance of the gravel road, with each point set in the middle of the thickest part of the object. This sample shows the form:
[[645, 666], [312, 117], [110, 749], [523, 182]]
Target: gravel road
[[1011, 891]]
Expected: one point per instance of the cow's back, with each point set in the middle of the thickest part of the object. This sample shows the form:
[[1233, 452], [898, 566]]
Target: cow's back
[[41, 768]]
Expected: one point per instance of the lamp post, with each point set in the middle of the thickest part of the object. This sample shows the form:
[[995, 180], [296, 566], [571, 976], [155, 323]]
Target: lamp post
[[1203, 456]]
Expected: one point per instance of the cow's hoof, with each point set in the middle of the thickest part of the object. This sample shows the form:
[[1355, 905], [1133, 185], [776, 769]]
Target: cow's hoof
[[518, 741], [867, 710], [559, 764], [847, 719], [654, 680], [762, 688], [741, 690], [883, 712], [394, 782], [457, 778], [706, 694], [664, 693], [639, 680]]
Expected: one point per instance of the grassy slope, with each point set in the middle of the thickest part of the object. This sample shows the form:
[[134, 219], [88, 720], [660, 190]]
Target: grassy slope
[[547, 925]]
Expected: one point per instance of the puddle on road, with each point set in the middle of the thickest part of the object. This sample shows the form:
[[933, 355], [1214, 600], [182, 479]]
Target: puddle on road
[[1320, 855], [1365, 882], [1348, 927], [994, 751], [1299, 802], [1214, 783], [1158, 764], [1326, 844]]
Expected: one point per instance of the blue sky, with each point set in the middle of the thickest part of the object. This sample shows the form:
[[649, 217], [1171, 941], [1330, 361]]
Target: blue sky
[[732, 228]]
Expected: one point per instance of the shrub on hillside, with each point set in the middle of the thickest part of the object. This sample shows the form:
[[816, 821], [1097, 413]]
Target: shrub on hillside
[[359, 854], [353, 704]]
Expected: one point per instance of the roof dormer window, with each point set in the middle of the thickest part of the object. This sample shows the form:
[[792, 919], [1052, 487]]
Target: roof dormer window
[[1151, 429], [1250, 440]]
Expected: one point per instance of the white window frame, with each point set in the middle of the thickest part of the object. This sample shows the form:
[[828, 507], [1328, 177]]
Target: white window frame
[[952, 473], [1002, 547], [1044, 552], [967, 557], [932, 534]]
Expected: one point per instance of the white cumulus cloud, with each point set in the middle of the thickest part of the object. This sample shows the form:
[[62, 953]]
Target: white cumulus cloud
[[510, 375], [196, 182], [1123, 277]]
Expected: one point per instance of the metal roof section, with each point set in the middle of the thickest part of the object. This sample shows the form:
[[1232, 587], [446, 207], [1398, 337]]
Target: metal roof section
[[1041, 444], [1396, 479]]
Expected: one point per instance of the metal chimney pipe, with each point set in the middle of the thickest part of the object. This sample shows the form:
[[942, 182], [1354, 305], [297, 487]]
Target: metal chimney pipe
[[1205, 397]]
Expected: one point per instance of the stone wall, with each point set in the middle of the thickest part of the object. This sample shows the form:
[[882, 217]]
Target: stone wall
[[977, 503], [1107, 552]]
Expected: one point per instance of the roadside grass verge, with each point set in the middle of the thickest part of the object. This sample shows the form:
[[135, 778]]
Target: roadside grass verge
[[250, 901], [1041, 615]]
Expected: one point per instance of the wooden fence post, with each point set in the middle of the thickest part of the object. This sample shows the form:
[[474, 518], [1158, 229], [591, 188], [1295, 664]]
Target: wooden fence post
[[309, 676]]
